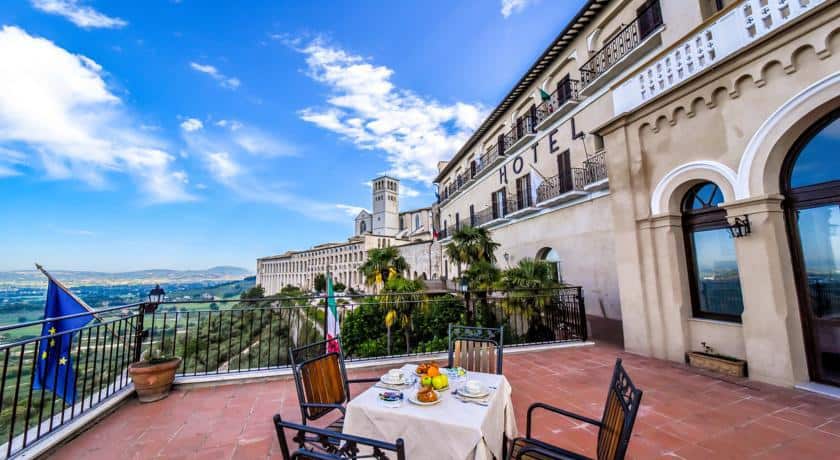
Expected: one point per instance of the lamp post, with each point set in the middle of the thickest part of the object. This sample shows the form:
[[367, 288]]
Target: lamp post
[[156, 296], [464, 287]]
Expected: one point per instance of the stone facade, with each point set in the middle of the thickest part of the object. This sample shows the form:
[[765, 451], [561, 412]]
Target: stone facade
[[635, 105], [411, 231]]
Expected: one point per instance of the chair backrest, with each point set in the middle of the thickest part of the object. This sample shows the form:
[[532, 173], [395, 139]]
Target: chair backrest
[[623, 400], [319, 444], [320, 377], [477, 349]]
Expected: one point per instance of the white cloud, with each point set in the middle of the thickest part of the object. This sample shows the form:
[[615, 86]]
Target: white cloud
[[224, 80], [81, 15], [191, 124], [222, 166], [9, 161], [56, 106], [367, 109], [349, 210], [233, 125], [510, 7]]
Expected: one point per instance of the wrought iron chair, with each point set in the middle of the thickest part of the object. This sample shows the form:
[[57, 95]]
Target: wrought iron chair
[[319, 444], [321, 382], [477, 349], [614, 428]]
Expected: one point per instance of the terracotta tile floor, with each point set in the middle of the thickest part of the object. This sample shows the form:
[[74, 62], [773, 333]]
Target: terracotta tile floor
[[684, 414]]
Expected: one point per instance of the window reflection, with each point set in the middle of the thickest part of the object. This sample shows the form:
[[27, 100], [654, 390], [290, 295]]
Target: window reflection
[[819, 161], [716, 272], [818, 230]]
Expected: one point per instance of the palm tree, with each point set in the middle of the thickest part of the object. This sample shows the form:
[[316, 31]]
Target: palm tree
[[528, 285], [482, 277], [380, 263], [401, 298], [470, 245]]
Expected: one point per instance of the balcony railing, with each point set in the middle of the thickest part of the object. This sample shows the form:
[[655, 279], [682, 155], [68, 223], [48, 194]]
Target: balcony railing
[[242, 336], [555, 186], [596, 167], [567, 91], [482, 217], [625, 41], [518, 201], [523, 128], [594, 170]]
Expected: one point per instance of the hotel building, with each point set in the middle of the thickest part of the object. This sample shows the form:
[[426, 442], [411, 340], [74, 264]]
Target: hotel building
[[386, 226], [680, 160]]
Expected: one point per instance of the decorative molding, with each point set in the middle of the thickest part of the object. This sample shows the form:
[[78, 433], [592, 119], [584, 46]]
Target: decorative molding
[[761, 136], [673, 177]]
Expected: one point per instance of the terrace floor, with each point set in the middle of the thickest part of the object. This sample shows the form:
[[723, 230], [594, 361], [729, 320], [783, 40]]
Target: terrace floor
[[684, 414]]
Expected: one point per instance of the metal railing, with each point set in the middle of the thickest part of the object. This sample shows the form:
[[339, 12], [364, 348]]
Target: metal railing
[[555, 186], [237, 336], [517, 132], [625, 41], [476, 168], [596, 167], [519, 201], [565, 92], [99, 352]]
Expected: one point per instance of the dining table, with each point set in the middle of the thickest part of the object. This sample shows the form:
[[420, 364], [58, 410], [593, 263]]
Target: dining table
[[456, 427]]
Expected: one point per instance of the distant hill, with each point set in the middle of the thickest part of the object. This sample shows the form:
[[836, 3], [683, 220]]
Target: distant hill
[[83, 278]]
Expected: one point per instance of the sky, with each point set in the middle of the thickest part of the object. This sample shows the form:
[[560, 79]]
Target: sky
[[189, 134]]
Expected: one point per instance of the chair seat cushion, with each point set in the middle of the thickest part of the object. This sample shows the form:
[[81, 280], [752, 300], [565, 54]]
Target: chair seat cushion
[[548, 452]]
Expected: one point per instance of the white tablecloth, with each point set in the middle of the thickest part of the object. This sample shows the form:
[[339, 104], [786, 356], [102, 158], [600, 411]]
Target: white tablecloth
[[448, 430]]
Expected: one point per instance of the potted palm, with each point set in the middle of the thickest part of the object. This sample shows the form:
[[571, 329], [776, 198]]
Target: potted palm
[[153, 375]]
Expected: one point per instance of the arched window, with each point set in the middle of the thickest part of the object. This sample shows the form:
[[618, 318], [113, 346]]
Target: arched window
[[710, 252], [553, 258], [811, 182]]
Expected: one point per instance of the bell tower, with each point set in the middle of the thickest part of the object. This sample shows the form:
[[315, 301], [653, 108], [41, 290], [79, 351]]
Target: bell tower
[[386, 206]]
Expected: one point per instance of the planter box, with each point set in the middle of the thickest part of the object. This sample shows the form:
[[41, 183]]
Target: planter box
[[729, 366]]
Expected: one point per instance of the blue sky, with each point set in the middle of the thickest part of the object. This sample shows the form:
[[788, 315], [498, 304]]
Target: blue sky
[[187, 134]]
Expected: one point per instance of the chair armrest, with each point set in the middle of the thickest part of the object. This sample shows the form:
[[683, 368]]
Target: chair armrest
[[364, 380], [556, 410]]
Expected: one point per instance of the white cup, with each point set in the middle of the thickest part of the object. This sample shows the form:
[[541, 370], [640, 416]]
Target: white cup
[[395, 375], [473, 387]]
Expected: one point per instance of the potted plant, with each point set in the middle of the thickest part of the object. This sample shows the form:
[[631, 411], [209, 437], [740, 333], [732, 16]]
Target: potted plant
[[709, 359], [153, 375]]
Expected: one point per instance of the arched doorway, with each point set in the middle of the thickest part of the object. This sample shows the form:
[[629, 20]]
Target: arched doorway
[[553, 258], [811, 184]]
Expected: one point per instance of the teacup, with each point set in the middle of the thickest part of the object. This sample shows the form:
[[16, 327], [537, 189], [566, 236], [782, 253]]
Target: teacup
[[396, 375], [473, 387]]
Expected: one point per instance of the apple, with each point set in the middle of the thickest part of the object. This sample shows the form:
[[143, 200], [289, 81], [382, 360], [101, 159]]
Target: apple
[[426, 381]]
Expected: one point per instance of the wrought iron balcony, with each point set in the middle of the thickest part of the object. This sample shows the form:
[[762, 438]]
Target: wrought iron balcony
[[596, 168], [624, 42], [556, 186], [519, 204], [524, 128], [482, 217], [558, 101]]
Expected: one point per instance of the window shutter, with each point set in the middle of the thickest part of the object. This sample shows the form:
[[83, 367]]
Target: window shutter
[[494, 200], [501, 141], [527, 190], [519, 201], [564, 172]]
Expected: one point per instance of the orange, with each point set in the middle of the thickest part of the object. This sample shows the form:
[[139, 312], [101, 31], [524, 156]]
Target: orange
[[433, 372]]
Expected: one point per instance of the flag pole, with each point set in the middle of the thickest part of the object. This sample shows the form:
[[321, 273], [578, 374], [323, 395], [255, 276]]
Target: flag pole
[[74, 297]]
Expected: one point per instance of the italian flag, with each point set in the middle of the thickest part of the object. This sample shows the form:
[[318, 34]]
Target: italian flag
[[332, 318]]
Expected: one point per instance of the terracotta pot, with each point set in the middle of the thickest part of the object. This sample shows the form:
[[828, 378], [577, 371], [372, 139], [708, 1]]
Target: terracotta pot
[[153, 381]]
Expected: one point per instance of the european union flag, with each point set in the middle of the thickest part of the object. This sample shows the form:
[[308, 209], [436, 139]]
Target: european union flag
[[55, 368]]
